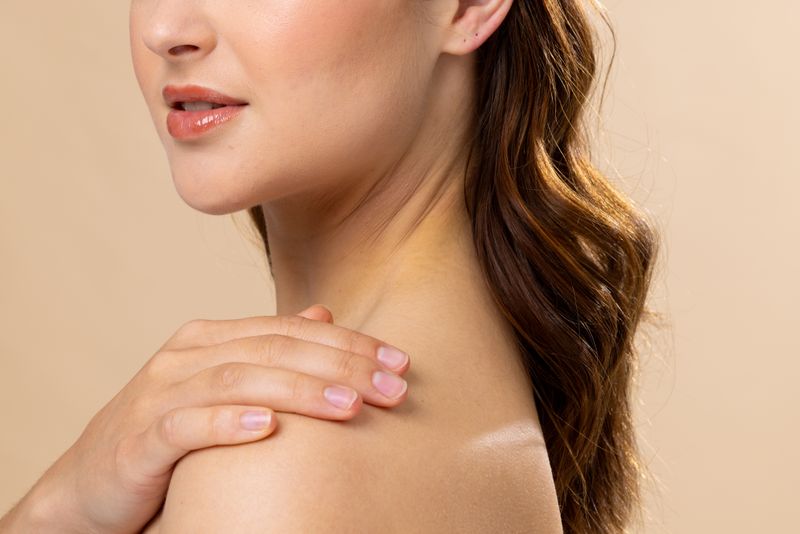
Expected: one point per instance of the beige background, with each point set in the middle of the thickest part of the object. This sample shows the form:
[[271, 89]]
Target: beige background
[[102, 261]]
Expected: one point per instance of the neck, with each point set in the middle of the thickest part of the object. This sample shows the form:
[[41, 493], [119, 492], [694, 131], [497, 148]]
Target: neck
[[353, 257]]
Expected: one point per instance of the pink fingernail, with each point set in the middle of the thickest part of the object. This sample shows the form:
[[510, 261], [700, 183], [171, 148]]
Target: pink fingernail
[[255, 420], [391, 357], [341, 397], [392, 386]]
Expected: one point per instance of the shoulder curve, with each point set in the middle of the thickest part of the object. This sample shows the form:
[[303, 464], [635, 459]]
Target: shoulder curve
[[332, 476], [431, 464], [308, 475]]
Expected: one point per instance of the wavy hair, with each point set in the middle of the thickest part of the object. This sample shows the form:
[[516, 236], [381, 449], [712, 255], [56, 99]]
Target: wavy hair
[[567, 256]]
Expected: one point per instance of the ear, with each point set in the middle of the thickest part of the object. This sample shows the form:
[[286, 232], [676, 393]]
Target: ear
[[473, 23]]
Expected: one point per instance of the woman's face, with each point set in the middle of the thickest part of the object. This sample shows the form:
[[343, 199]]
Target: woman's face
[[335, 91]]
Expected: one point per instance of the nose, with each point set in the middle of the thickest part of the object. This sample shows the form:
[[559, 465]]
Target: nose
[[178, 31]]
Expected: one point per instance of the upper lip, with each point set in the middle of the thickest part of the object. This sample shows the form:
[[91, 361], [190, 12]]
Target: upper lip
[[174, 94]]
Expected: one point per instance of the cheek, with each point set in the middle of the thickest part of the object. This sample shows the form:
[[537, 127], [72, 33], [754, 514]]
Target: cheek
[[336, 85]]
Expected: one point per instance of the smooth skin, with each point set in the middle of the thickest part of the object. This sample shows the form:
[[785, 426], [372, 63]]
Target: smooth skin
[[353, 143], [191, 394]]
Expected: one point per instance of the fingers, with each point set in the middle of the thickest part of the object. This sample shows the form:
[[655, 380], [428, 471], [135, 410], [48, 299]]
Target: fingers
[[317, 312], [378, 384], [204, 332], [280, 389], [184, 429]]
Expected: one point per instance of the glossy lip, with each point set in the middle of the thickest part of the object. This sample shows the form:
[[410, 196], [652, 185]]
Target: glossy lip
[[174, 94], [185, 125]]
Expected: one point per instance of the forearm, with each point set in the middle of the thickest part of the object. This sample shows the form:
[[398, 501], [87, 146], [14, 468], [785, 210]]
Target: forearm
[[27, 516], [44, 509]]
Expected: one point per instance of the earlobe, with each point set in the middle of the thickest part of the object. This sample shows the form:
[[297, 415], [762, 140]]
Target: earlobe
[[474, 22]]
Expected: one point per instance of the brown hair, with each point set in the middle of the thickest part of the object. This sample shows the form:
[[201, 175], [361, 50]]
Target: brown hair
[[567, 257]]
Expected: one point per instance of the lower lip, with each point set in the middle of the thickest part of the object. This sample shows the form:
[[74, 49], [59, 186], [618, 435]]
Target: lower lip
[[192, 124]]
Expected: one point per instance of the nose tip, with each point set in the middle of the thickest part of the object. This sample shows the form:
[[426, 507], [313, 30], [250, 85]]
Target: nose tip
[[178, 36]]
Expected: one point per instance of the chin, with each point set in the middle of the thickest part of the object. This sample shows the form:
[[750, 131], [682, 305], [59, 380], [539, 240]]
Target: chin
[[210, 205], [220, 187], [213, 194]]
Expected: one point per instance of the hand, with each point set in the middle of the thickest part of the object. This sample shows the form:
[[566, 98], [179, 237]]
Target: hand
[[210, 384]]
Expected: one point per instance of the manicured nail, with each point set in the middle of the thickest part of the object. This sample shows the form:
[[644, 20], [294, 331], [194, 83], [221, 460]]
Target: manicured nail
[[391, 357], [390, 385], [341, 397], [255, 420]]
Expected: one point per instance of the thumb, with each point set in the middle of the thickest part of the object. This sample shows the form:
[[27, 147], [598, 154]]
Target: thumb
[[317, 312]]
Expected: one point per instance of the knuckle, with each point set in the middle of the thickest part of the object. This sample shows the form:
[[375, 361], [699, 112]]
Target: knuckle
[[170, 426], [221, 425], [187, 332], [297, 387], [347, 366], [276, 347], [349, 341], [141, 407], [262, 347], [157, 366], [292, 325], [229, 376], [192, 327]]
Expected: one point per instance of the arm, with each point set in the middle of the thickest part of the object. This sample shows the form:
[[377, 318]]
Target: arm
[[43, 509]]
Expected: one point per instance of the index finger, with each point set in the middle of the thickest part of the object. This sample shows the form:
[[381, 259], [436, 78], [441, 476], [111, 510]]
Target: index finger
[[208, 332]]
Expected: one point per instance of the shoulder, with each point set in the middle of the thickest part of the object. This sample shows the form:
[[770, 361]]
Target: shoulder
[[315, 475], [310, 475], [441, 461]]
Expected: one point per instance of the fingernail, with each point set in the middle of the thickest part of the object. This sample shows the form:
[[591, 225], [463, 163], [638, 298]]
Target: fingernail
[[391, 357], [390, 385], [255, 420], [340, 397]]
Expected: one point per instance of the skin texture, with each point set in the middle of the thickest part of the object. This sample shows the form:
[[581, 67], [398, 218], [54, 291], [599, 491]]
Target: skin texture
[[353, 144]]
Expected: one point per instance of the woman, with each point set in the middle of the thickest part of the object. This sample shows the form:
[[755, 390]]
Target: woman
[[417, 166]]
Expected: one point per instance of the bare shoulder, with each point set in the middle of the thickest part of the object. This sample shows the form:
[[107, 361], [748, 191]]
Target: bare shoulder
[[444, 460]]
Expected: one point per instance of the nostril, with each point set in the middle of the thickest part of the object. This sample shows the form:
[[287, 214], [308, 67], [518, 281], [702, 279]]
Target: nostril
[[175, 50]]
